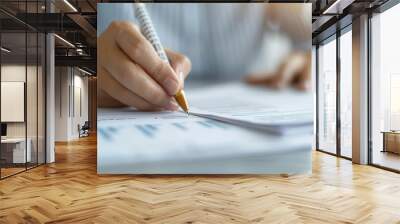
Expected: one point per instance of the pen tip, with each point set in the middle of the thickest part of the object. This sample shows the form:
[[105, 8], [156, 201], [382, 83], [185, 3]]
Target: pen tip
[[181, 100]]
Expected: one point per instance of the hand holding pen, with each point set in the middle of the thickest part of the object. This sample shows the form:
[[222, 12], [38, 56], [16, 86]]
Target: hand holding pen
[[131, 73]]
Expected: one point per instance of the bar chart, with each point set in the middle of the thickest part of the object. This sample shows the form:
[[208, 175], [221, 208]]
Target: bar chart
[[151, 129]]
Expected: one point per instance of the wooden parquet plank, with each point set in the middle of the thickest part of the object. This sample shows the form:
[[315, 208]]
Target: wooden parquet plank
[[70, 191]]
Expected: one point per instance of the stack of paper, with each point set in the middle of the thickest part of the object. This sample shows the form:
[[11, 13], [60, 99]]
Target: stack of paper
[[286, 111], [131, 141]]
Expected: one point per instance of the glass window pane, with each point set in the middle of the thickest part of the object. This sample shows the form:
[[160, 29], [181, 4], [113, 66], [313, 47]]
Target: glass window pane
[[386, 89], [327, 96], [23, 90], [31, 97], [32, 88], [41, 98], [314, 85], [346, 94], [14, 153]]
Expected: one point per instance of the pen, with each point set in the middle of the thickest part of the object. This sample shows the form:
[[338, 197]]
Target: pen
[[151, 35]]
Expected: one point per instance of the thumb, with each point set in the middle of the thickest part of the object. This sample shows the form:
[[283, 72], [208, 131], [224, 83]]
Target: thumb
[[179, 63]]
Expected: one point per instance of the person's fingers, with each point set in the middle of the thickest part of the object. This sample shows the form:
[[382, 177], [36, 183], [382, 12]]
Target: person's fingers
[[302, 85], [289, 72], [303, 77], [269, 80], [105, 100], [112, 88], [281, 78], [179, 63], [302, 80], [134, 78], [117, 91], [139, 50]]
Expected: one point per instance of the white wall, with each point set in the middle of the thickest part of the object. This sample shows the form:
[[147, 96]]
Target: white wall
[[70, 84], [82, 83], [61, 103]]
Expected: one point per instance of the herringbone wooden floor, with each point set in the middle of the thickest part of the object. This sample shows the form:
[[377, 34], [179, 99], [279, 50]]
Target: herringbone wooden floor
[[70, 191]]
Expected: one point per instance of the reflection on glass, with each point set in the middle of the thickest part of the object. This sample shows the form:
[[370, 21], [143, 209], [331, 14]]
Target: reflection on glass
[[346, 93], [386, 89], [327, 96]]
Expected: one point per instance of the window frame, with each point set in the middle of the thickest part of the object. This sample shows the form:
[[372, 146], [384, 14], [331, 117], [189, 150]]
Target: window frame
[[334, 37]]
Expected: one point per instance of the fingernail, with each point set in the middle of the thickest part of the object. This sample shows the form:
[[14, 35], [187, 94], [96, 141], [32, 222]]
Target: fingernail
[[171, 106], [171, 86], [181, 76]]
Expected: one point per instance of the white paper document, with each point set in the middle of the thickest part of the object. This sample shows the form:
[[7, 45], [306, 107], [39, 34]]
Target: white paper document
[[129, 140], [285, 111]]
